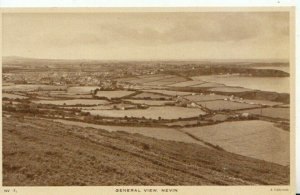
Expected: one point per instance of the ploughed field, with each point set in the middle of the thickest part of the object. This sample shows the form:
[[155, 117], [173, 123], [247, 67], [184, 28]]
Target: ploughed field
[[41, 152]]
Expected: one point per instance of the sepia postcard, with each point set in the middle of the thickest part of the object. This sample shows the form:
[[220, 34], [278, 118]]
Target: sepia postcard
[[148, 101]]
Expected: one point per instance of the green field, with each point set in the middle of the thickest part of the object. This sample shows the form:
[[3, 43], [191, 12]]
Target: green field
[[169, 92], [187, 83], [257, 139], [205, 97], [114, 94], [72, 102], [261, 102], [149, 102], [283, 113], [148, 95], [82, 89], [155, 132], [208, 85], [230, 89], [31, 87], [165, 112], [226, 105], [13, 96]]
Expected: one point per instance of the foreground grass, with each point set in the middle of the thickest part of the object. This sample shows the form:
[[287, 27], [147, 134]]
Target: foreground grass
[[37, 152]]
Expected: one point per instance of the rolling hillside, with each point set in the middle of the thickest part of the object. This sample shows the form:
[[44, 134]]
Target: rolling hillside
[[39, 152]]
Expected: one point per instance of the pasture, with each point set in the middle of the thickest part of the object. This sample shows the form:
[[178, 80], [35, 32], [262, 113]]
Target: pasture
[[261, 102], [167, 81], [149, 78], [13, 96], [149, 102], [204, 97], [11, 88], [168, 92], [256, 139], [230, 89], [187, 83], [226, 105], [208, 85], [147, 95], [114, 94], [154, 132], [166, 112], [72, 102], [82, 89], [283, 113]]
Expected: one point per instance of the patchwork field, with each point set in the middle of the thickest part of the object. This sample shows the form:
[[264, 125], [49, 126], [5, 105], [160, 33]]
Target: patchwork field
[[72, 102], [148, 95], [183, 123], [219, 117], [149, 102], [226, 105], [32, 88], [99, 107], [155, 75], [166, 112], [149, 78], [13, 96], [62, 94], [127, 79], [257, 139], [45, 153], [145, 80], [82, 89], [167, 81], [209, 97], [283, 113], [230, 89], [187, 83], [7, 84], [208, 85], [168, 92], [154, 132], [159, 83], [114, 94], [261, 102]]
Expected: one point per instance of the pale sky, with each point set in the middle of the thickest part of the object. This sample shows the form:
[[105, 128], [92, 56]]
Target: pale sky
[[146, 36]]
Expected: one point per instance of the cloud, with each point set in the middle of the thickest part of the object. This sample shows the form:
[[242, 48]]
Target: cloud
[[147, 34], [199, 27]]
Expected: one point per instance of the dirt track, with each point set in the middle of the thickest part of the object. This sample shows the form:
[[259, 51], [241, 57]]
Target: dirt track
[[40, 152]]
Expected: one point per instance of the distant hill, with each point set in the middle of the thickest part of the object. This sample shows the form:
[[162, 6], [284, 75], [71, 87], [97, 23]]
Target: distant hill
[[17, 61]]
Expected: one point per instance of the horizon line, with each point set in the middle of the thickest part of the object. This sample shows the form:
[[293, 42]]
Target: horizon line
[[158, 59]]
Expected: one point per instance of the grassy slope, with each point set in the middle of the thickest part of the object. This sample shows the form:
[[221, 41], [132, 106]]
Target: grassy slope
[[39, 152]]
